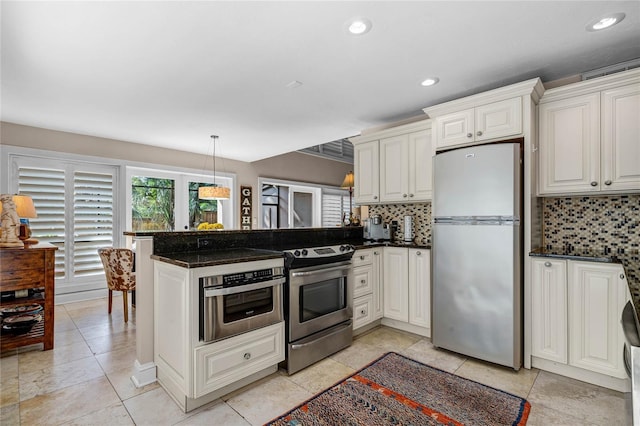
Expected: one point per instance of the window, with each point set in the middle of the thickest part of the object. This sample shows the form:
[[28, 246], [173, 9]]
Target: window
[[285, 204], [75, 204], [165, 200], [335, 205]]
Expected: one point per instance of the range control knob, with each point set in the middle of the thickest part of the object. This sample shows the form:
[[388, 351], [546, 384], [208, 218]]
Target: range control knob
[[296, 253], [344, 248], [305, 252]]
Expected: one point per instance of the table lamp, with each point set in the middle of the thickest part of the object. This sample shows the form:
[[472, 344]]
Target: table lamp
[[25, 210]]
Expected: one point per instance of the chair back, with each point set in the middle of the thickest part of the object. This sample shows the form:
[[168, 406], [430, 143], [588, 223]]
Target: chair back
[[118, 268]]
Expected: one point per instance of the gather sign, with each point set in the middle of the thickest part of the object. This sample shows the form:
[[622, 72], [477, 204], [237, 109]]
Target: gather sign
[[245, 207]]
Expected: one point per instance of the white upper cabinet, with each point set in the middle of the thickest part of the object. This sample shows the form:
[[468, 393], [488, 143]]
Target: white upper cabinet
[[485, 122], [570, 144], [590, 136], [366, 180], [495, 115], [621, 138], [394, 165]]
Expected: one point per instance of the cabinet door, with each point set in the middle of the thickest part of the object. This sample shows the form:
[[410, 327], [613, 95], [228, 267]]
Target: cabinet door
[[420, 287], [621, 138], [366, 164], [376, 284], [420, 166], [569, 151], [549, 309], [394, 173], [498, 119], [454, 129], [597, 297], [396, 290]]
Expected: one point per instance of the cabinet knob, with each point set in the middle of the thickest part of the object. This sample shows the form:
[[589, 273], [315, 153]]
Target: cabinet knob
[[594, 183], [247, 356], [404, 195], [375, 197], [363, 312], [547, 264], [418, 253], [363, 281], [361, 257], [622, 276], [607, 182], [469, 135], [410, 195], [479, 133], [376, 253]]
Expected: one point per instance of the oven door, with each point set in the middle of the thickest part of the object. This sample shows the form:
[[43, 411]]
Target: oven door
[[226, 312], [319, 297]]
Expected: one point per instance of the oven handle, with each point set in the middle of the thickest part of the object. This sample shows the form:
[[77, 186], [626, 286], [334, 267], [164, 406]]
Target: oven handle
[[213, 292], [322, 270]]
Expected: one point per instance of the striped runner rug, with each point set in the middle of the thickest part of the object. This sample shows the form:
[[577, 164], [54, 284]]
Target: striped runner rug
[[396, 390]]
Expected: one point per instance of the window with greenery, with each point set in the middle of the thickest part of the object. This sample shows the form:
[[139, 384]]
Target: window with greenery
[[152, 203], [201, 210]]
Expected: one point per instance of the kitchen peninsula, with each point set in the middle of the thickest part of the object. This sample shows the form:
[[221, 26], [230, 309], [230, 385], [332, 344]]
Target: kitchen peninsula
[[197, 249]]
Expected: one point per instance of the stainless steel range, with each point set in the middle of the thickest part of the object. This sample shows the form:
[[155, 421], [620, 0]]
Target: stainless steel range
[[318, 304]]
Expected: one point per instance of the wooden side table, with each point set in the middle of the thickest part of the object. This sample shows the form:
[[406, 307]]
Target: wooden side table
[[32, 267]]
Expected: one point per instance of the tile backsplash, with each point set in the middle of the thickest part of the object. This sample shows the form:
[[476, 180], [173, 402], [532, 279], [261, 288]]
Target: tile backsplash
[[421, 213], [604, 223]]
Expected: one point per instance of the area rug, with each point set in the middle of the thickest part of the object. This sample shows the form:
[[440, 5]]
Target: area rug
[[396, 390]]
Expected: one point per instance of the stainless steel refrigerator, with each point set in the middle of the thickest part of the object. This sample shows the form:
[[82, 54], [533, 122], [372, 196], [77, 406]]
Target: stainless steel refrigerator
[[477, 253]]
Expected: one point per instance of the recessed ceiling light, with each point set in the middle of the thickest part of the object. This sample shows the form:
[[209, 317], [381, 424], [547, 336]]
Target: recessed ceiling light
[[605, 22], [430, 81], [359, 26]]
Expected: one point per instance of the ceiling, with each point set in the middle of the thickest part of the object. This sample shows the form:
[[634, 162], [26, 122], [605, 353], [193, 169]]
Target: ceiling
[[170, 74]]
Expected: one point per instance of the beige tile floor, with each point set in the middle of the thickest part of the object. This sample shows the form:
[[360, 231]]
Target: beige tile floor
[[85, 380]]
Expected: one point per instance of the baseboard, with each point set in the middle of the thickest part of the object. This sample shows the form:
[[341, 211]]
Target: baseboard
[[80, 296], [144, 374], [404, 326], [620, 385]]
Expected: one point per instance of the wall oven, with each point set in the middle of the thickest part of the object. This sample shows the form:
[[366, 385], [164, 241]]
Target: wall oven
[[319, 301], [240, 302]]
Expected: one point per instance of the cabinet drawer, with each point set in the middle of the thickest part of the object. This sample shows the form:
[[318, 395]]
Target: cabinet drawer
[[362, 311], [362, 257], [19, 279], [362, 280], [20, 260], [222, 363]]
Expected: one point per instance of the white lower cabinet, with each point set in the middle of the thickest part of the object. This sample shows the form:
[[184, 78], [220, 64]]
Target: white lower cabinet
[[576, 309], [407, 288], [192, 371], [367, 291]]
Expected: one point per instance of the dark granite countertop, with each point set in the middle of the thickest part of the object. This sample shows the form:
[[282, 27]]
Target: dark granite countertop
[[198, 259], [630, 260]]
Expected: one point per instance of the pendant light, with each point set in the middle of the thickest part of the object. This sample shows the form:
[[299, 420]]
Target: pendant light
[[214, 192]]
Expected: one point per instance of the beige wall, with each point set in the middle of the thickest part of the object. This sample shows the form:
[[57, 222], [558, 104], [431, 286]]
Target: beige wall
[[293, 166]]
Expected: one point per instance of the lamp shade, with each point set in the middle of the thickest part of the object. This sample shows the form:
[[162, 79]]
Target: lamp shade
[[214, 193], [24, 206], [348, 181]]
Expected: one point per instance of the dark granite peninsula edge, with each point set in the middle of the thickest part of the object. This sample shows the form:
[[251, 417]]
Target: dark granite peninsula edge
[[629, 258], [198, 259]]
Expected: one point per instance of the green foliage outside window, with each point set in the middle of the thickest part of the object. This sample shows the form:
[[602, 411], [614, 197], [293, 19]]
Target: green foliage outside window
[[153, 202]]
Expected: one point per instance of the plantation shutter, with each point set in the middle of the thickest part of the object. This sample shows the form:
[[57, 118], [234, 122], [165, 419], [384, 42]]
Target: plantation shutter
[[76, 204], [334, 205], [92, 220], [47, 189]]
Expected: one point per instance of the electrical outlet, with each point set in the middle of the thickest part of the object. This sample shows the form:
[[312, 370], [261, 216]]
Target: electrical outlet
[[205, 242]]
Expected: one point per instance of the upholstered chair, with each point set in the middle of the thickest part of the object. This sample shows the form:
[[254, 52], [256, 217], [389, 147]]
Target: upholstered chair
[[118, 268]]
